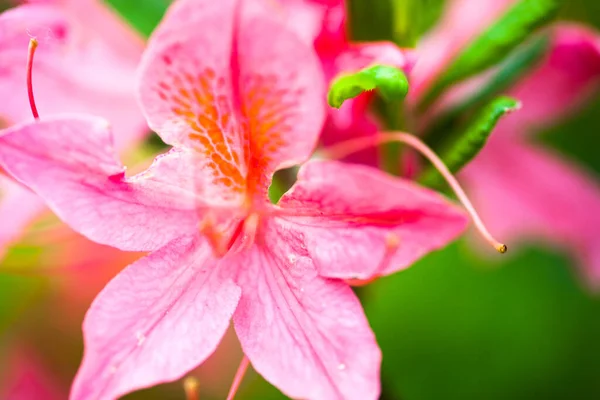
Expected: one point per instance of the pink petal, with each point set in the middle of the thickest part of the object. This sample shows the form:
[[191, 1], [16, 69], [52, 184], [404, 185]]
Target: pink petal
[[319, 22], [305, 334], [194, 79], [282, 98], [312, 20], [70, 163], [462, 22], [18, 208], [85, 62], [537, 194], [362, 55], [158, 319], [186, 93], [352, 121], [185, 83], [567, 78], [366, 223]]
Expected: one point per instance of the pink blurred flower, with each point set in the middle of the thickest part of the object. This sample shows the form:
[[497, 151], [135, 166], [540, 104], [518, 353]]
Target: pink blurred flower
[[238, 99], [27, 378], [526, 191], [523, 190], [85, 62], [461, 22]]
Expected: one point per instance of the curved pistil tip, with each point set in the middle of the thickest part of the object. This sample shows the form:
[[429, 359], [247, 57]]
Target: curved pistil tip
[[501, 248]]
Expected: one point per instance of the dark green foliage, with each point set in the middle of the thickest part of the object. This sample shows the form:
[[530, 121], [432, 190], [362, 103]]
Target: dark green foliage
[[495, 44], [466, 146]]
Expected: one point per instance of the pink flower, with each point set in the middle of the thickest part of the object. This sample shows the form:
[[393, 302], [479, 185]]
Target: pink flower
[[85, 62], [542, 194], [523, 190], [323, 23], [26, 378], [238, 99]]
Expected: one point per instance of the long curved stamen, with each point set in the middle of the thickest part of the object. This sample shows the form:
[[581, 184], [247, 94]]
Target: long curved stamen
[[33, 43], [191, 386], [239, 375], [343, 149]]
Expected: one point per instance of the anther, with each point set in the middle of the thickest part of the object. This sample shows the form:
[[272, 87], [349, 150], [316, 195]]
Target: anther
[[33, 43], [191, 387], [348, 147], [392, 242]]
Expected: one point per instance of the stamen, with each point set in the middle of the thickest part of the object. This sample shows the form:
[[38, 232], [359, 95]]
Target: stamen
[[191, 387], [239, 375], [33, 43], [348, 147]]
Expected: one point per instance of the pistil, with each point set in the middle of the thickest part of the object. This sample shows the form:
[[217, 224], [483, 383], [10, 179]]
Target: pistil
[[33, 43]]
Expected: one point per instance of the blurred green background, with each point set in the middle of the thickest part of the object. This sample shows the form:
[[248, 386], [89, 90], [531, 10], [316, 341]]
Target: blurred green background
[[457, 325]]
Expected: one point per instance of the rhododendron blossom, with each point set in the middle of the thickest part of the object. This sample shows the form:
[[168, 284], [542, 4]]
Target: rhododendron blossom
[[237, 99], [85, 62]]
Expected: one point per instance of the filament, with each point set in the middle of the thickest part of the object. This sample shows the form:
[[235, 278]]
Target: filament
[[348, 147], [33, 43], [239, 375]]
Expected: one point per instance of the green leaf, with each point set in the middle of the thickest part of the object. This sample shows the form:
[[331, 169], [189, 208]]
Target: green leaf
[[370, 19], [17, 293], [467, 145], [6, 4], [492, 328], [142, 15], [520, 63], [390, 81], [412, 18], [495, 44]]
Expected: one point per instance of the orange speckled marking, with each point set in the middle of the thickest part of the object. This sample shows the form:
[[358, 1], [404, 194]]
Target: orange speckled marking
[[240, 149], [267, 112], [193, 99]]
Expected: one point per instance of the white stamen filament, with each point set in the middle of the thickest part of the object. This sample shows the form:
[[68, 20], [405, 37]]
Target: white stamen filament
[[348, 147], [239, 375]]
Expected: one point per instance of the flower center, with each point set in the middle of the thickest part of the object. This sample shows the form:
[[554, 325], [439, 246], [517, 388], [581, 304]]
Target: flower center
[[229, 234]]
